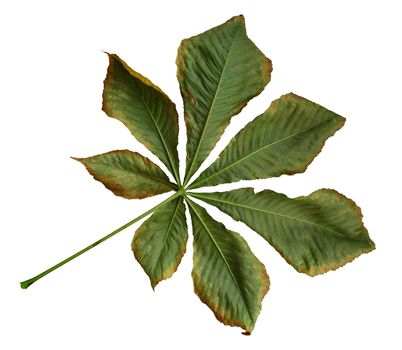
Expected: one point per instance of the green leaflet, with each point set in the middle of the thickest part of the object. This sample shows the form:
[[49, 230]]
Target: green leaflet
[[315, 234], [226, 274], [144, 109], [283, 140], [160, 242], [219, 71], [128, 174]]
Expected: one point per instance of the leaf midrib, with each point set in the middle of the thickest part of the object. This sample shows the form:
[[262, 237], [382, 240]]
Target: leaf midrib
[[272, 213], [167, 151], [137, 172], [168, 230], [188, 175], [223, 257], [253, 153]]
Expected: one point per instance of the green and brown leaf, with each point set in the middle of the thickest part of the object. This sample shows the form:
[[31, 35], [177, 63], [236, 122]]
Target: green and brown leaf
[[315, 234], [128, 174], [283, 140], [144, 109], [227, 276], [160, 242], [219, 71]]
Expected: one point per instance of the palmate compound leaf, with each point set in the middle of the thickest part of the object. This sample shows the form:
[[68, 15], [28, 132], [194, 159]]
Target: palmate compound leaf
[[226, 274], [315, 234], [219, 71], [144, 109], [283, 140], [160, 242], [128, 174]]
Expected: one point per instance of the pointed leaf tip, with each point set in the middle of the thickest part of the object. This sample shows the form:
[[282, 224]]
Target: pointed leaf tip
[[160, 242], [227, 276], [315, 234], [214, 93], [127, 174], [283, 140], [144, 109]]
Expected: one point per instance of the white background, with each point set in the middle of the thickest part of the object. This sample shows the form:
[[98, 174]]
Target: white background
[[343, 55]]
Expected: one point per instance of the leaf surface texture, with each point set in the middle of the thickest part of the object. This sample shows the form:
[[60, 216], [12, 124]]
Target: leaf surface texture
[[226, 274], [315, 234], [283, 140], [160, 242], [144, 109], [219, 71], [128, 174]]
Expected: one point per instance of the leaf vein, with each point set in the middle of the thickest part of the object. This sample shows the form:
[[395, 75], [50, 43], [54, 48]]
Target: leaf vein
[[223, 258], [210, 110]]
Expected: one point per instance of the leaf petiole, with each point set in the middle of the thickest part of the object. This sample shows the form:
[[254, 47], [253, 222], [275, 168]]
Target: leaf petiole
[[27, 283]]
